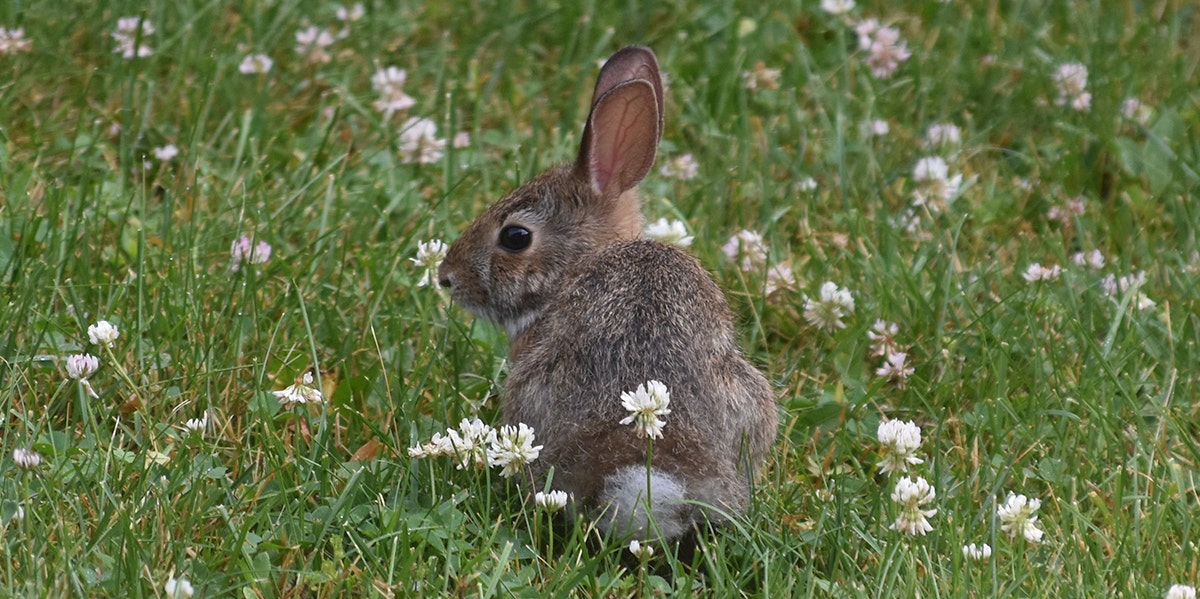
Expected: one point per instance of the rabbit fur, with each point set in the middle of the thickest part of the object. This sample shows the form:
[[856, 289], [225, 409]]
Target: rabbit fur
[[593, 310]]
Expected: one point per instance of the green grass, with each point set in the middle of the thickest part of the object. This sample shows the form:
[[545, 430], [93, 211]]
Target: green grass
[[1052, 389]]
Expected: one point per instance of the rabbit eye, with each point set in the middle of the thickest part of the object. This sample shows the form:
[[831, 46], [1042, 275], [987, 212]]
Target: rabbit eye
[[515, 238]]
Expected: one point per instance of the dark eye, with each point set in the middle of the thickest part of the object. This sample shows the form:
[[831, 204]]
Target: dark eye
[[515, 238]]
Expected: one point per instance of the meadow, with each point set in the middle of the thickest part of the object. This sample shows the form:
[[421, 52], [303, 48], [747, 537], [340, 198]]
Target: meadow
[[960, 238]]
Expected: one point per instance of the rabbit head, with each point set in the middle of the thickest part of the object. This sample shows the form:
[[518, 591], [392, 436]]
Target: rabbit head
[[513, 258]]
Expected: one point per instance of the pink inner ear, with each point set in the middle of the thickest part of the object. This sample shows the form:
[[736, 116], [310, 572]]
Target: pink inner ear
[[621, 137]]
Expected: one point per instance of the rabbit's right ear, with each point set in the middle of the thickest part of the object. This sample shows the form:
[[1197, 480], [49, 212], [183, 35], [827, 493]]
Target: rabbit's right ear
[[623, 129]]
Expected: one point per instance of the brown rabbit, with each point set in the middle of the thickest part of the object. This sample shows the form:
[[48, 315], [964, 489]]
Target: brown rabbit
[[592, 310]]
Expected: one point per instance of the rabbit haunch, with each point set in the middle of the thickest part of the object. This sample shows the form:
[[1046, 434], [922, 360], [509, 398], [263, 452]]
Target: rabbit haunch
[[593, 311]]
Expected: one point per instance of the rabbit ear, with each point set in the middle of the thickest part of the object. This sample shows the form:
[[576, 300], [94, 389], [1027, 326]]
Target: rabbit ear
[[629, 63], [623, 129]]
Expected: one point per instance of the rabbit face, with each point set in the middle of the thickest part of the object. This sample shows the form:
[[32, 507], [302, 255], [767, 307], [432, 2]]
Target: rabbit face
[[513, 258]]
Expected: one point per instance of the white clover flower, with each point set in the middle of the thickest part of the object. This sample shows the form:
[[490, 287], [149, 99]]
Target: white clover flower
[[639, 550], [900, 440], [511, 448], [178, 588], [419, 142], [552, 501], [1073, 207], [1134, 110], [943, 134], [747, 246], [977, 552], [837, 7], [311, 43], [833, 303], [673, 232], [682, 167], [1017, 517], [81, 366], [761, 77], [883, 338], [893, 368], [885, 50], [165, 153], [197, 425], [912, 495], [300, 392], [256, 64], [807, 184], [352, 14], [878, 128], [779, 276], [1037, 272], [26, 458], [244, 250], [1181, 591], [1093, 259], [645, 406], [13, 41], [389, 84], [1071, 81], [931, 168], [461, 140], [103, 333], [430, 255], [131, 35]]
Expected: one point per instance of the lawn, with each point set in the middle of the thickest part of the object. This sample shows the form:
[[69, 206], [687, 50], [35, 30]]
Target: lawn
[[961, 239]]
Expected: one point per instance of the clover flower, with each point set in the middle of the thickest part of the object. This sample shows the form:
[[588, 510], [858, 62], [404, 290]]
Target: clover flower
[[389, 84], [511, 448], [943, 134], [1071, 81], [1017, 517], [1181, 591], [130, 35], [103, 333], [837, 7], [351, 14], [779, 276], [13, 41], [552, 501], [937, 186], [311, 43], [27, 459], [639, 550], [682, 167], [244, 250], [747, 248], [1133, 109], [645, 405], [893, 368], [883, 338], [673, 232], [165, 153], [832, 304], [912, 495], [1037, 272], [885, 50], [430, 255], [900, 440], [1115, 288], [419, 142], [82, 366], [977, 552], [256, 64], [1093, 259], [178, 588], [300, 392]]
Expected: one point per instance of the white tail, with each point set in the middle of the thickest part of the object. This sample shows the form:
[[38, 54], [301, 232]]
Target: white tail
[[625, 495]]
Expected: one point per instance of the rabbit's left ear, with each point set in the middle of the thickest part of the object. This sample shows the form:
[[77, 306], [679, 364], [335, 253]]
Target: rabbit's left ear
[[629, 63], [622, 132]]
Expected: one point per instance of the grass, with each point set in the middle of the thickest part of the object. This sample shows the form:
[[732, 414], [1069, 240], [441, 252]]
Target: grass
[[1054, 389]]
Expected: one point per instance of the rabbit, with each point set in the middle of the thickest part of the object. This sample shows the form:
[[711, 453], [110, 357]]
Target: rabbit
[[592, 309]]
